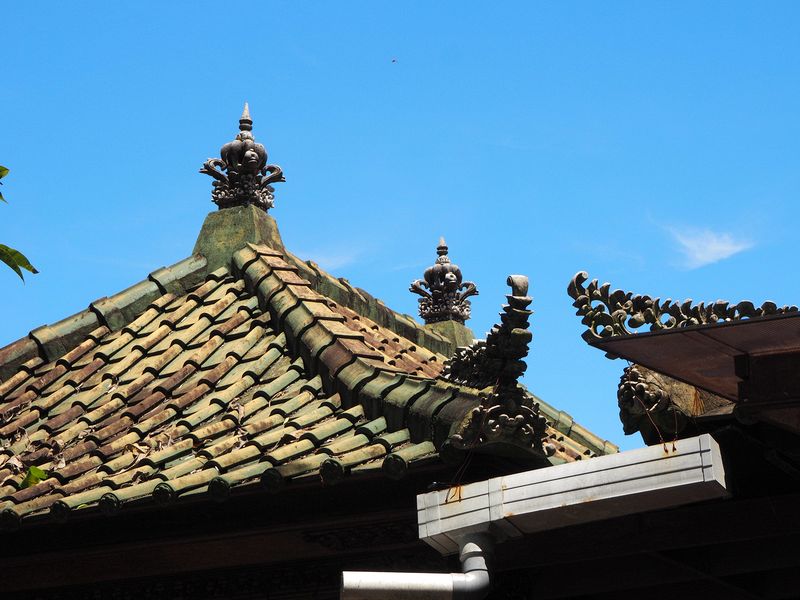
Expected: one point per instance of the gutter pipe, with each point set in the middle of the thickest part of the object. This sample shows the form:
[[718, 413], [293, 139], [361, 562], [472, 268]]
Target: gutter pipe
[[471, 584], [512, 506]]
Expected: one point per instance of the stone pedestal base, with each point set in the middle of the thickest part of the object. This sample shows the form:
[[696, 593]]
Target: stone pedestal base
[[459, 334], [226, 231]]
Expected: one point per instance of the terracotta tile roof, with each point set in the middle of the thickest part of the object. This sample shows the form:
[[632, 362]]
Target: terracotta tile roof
[[187, 383]]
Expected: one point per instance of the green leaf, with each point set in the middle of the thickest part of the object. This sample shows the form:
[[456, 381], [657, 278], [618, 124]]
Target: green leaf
[[16, 260], [3, 172], [32, 477], [3, 199]]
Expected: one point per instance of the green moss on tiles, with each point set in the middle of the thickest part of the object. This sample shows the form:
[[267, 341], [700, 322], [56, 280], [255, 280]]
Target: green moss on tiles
[[421, 413], [228, 230], [135, 300], [182, 276], [61, 337], [397, 402], [460, 335], [16, 353]]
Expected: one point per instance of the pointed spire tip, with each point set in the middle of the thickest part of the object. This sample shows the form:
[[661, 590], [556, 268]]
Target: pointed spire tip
[[245, 122], [441, 249]]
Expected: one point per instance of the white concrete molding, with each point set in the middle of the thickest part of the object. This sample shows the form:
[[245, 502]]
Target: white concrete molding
[[608, 486]]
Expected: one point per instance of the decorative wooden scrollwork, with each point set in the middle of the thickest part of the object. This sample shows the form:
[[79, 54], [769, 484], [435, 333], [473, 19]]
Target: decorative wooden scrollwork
[[608, 313]]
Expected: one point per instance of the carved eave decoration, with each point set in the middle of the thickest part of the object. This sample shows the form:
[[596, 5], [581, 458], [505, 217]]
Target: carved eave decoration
[[608, 313], [507, 422], [443, 290], [241, 175], [660, 407]]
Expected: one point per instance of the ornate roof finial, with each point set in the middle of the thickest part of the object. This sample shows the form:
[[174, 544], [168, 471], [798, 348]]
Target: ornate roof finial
[[242, 175], [444, 294]]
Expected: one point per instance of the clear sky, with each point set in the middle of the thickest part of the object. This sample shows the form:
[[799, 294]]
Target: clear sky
[[653, 144]]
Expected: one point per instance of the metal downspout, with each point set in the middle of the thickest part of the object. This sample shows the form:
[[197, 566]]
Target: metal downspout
[[471, 584]]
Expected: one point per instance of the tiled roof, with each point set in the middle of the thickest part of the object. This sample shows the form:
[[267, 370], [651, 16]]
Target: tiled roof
[[191, 383]]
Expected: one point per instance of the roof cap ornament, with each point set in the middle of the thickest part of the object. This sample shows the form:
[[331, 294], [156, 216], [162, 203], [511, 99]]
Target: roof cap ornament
[[242, 175], [444, 293], [508, 414]]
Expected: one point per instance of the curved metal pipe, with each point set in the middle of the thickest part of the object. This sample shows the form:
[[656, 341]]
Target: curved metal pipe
[[472, 584]]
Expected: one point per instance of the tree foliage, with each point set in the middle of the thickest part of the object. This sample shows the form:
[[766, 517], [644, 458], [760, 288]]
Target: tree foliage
[[13, 258]]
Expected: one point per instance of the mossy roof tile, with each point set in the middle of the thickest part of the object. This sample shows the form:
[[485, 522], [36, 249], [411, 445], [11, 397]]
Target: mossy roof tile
[[15, 354], [179, 385]]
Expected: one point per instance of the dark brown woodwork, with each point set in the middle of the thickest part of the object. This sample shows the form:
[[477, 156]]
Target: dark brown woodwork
[[773, 378], [309, 524]]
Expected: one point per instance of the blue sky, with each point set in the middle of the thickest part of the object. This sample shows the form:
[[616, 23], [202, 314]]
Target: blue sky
[[653, 144]]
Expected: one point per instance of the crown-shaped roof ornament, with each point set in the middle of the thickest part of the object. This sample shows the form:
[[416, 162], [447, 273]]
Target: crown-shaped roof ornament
[[242, 175], [444, 294]]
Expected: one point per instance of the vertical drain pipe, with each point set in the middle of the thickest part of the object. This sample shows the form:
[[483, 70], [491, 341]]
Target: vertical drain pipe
[[471, 584]]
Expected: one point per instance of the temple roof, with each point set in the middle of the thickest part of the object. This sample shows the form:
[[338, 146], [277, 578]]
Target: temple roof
[[229, 379], [241, 365]]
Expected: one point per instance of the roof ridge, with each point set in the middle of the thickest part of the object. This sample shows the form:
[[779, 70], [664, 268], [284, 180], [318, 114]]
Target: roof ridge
[[245, 378], [347, 364], [50, 342], [367, 305]]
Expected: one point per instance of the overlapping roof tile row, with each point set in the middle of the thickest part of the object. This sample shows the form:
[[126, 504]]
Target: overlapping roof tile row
[[180, 385]]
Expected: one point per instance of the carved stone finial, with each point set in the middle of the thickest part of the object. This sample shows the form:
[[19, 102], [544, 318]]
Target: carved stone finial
[[508, 414], [497, 361], [242, 175], [444, 294]]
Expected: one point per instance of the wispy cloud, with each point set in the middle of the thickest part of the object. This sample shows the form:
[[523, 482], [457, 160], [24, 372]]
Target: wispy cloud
[[702, 247]]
